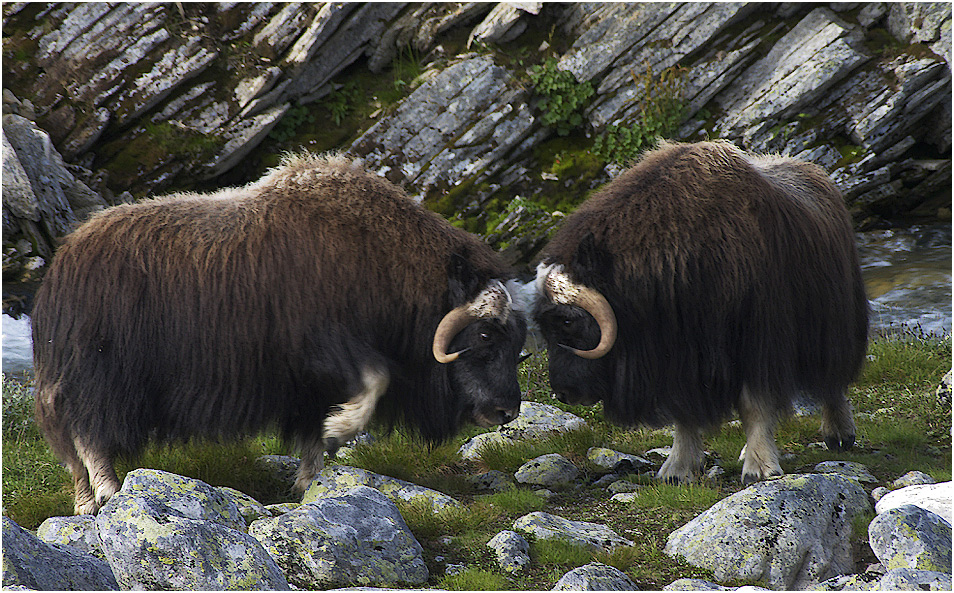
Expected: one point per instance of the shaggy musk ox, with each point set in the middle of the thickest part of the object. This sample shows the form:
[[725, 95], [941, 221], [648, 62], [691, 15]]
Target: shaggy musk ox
[[295, 302], [703, 280]]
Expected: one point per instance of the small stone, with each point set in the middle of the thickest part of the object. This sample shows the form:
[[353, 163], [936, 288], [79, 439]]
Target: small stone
[[547, 470], [595, 577], [849, 469], [593, 536], [512, 550], [913, 478]]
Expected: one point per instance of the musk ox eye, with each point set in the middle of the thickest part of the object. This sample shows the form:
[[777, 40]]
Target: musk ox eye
[[484, 337]]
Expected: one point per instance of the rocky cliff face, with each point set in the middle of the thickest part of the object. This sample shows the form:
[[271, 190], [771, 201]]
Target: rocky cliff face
[[469, 105]]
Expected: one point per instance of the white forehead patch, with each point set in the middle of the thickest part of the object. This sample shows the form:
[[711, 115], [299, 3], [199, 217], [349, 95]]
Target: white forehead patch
[[554, 283], [493, 301]]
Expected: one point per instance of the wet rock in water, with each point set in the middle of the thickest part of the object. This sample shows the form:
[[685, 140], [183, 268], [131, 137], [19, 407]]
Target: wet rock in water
[[511, 549], [595, 577], [790, 532], [355, 539], [547, 470], [592, 536], [339, 479], [911, 537], [32, 564], [78, 532], [931, 497], [163, 531]]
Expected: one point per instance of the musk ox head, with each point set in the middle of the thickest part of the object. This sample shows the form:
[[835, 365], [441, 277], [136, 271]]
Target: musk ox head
[[480, 341], [579, 328]]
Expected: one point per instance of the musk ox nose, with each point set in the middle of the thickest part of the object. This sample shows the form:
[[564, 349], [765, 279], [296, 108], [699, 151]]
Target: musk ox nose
[[507, 414]]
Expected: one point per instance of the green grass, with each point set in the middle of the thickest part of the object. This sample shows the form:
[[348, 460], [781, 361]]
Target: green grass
[[900, 424]]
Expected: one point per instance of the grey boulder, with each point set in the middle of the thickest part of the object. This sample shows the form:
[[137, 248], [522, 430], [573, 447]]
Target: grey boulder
[[31, 563], [595, 577], [911, 537], [789, 532], [356, 539], [163, 531]]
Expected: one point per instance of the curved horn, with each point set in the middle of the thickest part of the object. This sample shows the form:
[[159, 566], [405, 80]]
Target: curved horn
[[564, 291], [447, 329], [494, 301], [596, 305]]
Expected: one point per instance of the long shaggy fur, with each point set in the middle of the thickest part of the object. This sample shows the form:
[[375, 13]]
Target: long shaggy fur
[[254, 307], [724, 269]]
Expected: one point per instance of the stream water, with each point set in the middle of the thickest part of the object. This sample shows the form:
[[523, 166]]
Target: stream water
[[907, 273]]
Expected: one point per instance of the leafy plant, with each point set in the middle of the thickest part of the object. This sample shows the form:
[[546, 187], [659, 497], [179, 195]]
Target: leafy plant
[[291, 123], [340, 102], [562, 98], [661, 109]]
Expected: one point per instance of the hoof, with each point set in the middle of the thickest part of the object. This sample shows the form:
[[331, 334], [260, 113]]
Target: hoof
[[840, 443]]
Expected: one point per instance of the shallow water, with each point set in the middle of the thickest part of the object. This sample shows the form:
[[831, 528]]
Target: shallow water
[[908, 276], [907, 273]]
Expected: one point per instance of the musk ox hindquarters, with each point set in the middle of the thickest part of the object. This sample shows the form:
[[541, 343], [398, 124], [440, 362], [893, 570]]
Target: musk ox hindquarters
[[703, 280], [302, 302]]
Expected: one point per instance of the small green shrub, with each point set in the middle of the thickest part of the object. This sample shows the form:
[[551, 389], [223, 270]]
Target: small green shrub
[[516, 501], [661, 109], [560, 552], [562, 98], [291, 123]]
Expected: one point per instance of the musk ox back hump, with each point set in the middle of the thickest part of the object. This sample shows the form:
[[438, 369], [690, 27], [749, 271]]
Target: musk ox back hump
[[200, 313], [723, 268]]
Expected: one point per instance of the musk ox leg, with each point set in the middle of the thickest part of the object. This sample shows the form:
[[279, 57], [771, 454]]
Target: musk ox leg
[[760, 455], [838, 425], [102, 475], [687, 457], [342, 425], [64, 447]]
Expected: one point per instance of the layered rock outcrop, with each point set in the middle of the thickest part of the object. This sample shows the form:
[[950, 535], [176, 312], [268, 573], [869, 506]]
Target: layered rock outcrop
[[140, 99]]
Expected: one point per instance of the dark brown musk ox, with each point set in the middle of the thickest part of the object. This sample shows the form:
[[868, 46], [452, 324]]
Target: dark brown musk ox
[[705, 280], [296, 303]]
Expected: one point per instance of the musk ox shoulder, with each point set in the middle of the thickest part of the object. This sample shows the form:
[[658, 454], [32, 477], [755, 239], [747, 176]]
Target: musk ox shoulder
[[705, 280], [302, 302]]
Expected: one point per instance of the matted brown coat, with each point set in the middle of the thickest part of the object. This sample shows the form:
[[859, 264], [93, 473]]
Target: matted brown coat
[[304, 301], [717, 280]]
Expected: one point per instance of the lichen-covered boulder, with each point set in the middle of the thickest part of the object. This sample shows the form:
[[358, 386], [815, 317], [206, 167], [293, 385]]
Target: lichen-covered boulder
[[33, 564], [913, 478], [535, 420], [595, 577], [355, 539], [911, 537], [703, 585], [896, 579], [849, 469], [551, 470], [789, 532], [593, 536], [614, 460], [339, 479], [936, 498], [249, 508], [78, 531], [511, 549], [163, 531]]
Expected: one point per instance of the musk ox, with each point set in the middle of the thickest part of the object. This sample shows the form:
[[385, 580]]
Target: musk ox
[[294, 303], [703, 280]]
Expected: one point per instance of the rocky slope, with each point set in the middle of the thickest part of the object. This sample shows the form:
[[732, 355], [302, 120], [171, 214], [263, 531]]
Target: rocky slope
[[164, 531], [469, 105]]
